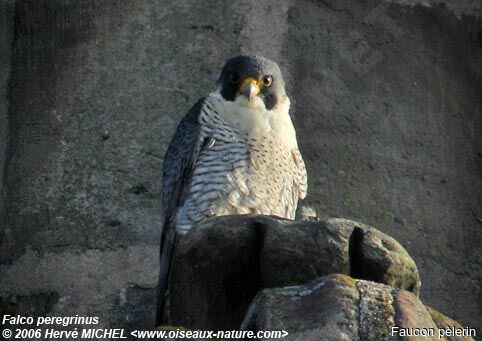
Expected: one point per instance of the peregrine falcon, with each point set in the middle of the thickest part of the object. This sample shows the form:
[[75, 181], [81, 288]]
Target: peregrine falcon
[[234, 152]]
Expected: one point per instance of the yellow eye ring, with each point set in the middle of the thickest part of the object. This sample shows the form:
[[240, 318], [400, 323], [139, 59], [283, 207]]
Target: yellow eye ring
[[267, 80]]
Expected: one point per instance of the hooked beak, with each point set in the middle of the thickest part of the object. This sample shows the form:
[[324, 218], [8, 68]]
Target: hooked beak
[[249, 88]]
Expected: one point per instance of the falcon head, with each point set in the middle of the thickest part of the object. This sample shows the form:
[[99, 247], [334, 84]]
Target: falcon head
[[252, 80]]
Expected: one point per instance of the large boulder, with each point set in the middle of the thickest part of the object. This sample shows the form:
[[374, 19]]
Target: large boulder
[[338, 307], [221, 264]]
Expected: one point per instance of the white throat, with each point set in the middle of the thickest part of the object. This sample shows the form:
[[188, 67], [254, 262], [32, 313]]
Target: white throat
[[254, 120]]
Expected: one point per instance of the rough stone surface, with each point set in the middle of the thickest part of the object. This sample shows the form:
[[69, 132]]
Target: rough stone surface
[[377, 138], [323, 310], [114, 285], [410, 313], [6, 38], [221, 264], [458, 7], [337, 307], [385, 98], [444, 322], [375, 257]]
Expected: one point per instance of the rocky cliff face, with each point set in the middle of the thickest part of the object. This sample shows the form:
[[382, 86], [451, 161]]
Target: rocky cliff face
[[223, 263], [316, 280], [6, 38], [385, 99], [337, 307]]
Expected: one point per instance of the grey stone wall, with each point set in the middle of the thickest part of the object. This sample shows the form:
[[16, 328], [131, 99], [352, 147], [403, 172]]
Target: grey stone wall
[[6, 36], [458, 7], [385, 99]]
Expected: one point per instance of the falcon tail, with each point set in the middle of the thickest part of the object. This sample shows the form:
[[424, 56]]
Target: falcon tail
[[165, 254]]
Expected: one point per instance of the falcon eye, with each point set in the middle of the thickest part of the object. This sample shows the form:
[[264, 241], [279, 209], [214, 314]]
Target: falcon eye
[[233, 77], [267, 80]]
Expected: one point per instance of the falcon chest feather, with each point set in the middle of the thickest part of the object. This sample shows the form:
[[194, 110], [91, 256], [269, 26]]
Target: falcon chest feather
[[252, 119], [254, 165]]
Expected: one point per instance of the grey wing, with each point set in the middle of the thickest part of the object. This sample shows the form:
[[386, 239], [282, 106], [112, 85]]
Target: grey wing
[[179, 163], [180, 160]]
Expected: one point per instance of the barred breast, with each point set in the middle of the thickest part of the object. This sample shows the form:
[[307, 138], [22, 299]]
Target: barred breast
[[237, 173]]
